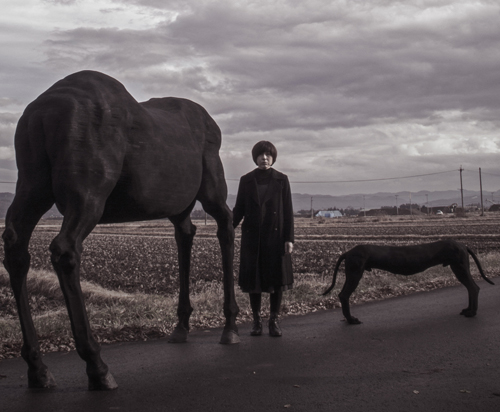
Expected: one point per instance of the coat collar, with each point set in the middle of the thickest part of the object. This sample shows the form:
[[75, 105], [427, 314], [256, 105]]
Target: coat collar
[[274, 185], [274, 175]]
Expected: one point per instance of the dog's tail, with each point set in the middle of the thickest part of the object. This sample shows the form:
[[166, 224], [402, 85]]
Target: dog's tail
[[339, 261], [478, 265]]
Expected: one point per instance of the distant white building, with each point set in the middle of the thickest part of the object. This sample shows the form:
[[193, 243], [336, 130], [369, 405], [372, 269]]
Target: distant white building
[[329, 213]]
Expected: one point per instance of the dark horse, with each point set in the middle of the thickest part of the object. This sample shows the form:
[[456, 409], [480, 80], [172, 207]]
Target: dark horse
[[89, 147]]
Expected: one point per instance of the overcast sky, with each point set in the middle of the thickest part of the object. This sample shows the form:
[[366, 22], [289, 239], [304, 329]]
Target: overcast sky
[[346, 90]]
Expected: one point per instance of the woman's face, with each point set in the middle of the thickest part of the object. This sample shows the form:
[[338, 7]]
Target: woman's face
[[264, 161]]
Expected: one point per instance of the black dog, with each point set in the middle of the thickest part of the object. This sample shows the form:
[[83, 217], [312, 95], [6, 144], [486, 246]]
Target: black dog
[[407, 260]]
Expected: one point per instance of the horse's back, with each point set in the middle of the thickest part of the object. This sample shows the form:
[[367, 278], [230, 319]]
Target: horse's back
[[89, 132], [80, 122]]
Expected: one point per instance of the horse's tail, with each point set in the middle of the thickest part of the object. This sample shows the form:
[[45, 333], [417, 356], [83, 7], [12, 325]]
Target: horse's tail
[[478, 265], [339, 261]]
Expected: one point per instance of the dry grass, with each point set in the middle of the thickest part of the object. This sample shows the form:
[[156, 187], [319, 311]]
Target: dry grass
[[121, 316]]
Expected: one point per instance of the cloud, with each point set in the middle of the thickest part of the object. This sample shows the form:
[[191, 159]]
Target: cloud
[[341, 87], [8, 123], [61, 2], [7, 101]]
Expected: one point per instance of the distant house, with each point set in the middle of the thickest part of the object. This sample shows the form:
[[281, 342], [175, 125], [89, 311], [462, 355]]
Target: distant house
[[445, 209], [329, 213]]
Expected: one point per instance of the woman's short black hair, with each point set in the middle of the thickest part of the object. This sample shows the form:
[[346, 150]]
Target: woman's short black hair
[[263, 147]]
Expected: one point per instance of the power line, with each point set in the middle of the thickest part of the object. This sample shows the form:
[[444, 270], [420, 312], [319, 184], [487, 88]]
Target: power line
[[484, 173], [365, 180], [374, 180]]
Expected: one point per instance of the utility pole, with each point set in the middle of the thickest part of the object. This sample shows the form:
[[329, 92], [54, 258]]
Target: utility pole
[[411, 212], [481, 191], [427, 202], [397, 210], [312, 210], [364, 206], [462, 189]]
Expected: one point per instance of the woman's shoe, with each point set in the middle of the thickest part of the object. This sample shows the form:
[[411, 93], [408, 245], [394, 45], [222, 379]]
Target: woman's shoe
[[257, 326], [274, 326]]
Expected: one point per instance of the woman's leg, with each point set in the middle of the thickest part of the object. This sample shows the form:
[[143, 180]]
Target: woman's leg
[[255, 303], [274, 327], [275, 299]]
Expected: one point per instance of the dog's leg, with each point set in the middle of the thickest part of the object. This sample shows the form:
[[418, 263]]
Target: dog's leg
[[462, 272], [353, 274]]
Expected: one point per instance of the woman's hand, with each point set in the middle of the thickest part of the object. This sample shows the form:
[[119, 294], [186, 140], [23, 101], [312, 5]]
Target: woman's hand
[[288, 247]]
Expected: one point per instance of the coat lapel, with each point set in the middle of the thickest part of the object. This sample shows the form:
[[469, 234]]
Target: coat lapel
[[272, 189], [274, 186], [252, 189]]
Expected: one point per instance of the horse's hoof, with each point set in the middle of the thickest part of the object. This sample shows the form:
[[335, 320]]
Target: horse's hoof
[[229, 337], [179, 335], [41, 380], [106, 383]]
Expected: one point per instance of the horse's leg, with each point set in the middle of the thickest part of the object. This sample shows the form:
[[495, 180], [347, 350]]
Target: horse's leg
[[462, 273], [225, 234], [184, 234], [26, 209], [353, 274], [213, 196], [66, 248]]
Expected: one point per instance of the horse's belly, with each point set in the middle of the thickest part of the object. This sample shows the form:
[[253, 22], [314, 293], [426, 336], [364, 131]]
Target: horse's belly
[[155, 189]]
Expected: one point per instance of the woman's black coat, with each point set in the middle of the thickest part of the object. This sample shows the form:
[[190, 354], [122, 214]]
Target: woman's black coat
[[264, 231]]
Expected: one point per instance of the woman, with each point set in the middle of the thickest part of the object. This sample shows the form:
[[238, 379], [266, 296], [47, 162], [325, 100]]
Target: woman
[[264, 202]]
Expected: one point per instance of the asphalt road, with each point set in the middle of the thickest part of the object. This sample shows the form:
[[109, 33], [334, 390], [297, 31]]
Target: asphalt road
[[413, 353]]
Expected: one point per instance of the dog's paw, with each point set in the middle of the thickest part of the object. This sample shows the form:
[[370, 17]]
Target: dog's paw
[[468, 313], [353, 321]]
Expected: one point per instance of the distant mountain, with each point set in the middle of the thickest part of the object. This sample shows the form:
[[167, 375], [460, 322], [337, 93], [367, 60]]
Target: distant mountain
[[302, 201], [7, 198], [5, 201]]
